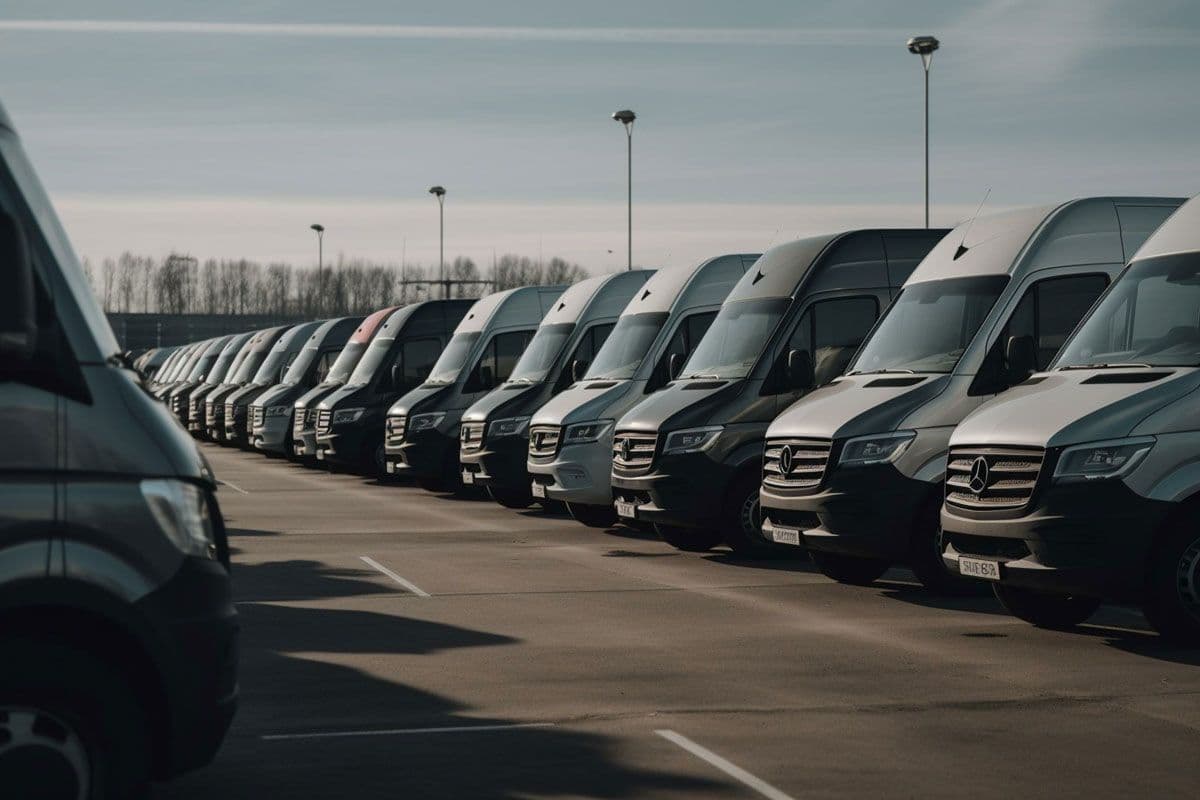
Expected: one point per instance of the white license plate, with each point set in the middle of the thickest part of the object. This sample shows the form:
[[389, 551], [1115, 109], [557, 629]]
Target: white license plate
[[626, 509], [785, 536], [320, 455], [391, 467], [979, 568], [468, 477], [538, 489]]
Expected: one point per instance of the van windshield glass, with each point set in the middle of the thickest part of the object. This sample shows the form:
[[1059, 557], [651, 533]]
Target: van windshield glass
[[623, 350], [269, 371], [248, 367], [541, 353], [736, 339], [1150, 317], [451, 362], [346, 361], [295, 372], [203, 365], [368, 365], [929, 326], [221, 366]]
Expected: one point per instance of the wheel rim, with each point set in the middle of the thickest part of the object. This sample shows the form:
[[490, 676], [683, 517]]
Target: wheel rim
[[380, 459], [38, 746], [1188, 579], [748, 515]]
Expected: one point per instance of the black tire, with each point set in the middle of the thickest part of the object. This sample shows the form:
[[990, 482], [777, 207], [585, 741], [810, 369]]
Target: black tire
[[925, 557], [692, 540], [91, 730], [1057, 612], [1172, 602], [849, 569], [742, 526], [593, 516], [511, 498]]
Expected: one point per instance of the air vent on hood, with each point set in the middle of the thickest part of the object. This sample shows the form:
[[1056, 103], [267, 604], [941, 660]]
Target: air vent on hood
[[1032, 381], [703, 385], [882, 383], [601, 385], [1127, 377]]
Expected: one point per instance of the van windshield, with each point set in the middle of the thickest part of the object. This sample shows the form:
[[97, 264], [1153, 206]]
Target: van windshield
[[221, 366], [247, 368], [625, 348], [202, 366], [736, 339], [346, 361], [928, 326], [295, 372], [368, 365], [541, 353], [269, 371], [451, 362], [1150, 317]]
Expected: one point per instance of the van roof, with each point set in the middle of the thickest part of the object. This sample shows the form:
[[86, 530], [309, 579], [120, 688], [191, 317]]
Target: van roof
[[524, 304], [1179, 234], [601, 296], [706, 283], [366, 329]]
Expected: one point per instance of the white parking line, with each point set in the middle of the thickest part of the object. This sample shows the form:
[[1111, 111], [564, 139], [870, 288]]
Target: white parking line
[[728, 767], [233, 486], [276, 737], [412, 587]]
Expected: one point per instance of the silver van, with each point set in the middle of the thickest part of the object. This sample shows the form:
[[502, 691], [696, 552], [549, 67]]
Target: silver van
[[571, 436], [226, 364], [1083, 483], [854, 471]]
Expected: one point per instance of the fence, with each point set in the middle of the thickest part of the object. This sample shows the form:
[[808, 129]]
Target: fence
[[140, 331]]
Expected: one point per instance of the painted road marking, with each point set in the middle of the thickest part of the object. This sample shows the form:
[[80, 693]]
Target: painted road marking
[[233, 486], [407, 584], [276, 737], [728, 767]]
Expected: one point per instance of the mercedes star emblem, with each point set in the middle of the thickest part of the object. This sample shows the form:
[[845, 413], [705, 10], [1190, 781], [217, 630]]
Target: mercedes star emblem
[[624, 449], [979, 475], [785, 460]]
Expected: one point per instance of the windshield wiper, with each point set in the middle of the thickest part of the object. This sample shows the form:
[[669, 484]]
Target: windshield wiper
[[711, 375], [1116, 365], [521, 380], [884, 371]]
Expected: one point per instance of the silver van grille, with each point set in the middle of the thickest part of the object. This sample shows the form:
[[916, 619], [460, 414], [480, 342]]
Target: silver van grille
[[992, 477], [795, 463], [395, 427], [260, 416], [543, 441], [324, 421], [471, 436], [298, 418], [633, 452]]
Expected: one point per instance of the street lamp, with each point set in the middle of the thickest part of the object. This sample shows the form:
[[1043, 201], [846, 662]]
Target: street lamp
[[440, 194], [924, 47], [626, 118], [320, 229]]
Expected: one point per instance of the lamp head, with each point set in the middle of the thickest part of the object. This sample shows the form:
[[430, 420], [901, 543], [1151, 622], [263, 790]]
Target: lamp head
[[437, 191], [924, 47], [317, 228], [625, 117]]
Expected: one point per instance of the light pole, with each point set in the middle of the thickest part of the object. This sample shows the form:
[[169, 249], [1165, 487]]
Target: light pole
[[924, 47], [440, 194], [626, 118], [320, 229]]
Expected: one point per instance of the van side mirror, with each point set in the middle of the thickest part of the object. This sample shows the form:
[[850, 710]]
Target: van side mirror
[[1020, 358], [674, 366], [799, 370], [578, 369], [18, 314]]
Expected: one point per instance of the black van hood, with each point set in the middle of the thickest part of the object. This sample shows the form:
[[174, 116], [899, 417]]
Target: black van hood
[[421, 399], [508, 400], [280, 394], [682, 404], [313, 396], [244, 395], [858, 405], [347, 396]]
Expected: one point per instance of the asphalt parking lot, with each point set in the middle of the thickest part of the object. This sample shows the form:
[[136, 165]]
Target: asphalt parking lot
[[401, 644]]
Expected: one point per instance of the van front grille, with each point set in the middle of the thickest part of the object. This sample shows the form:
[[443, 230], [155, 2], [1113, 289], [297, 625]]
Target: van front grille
[[298, 420], [633, 452], [395, 427], [260, 416], [992, 478], [795, 463], [324, 421], [471, 436], [543, 441]]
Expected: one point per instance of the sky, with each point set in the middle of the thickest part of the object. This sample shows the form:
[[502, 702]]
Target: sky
[[224, 129]]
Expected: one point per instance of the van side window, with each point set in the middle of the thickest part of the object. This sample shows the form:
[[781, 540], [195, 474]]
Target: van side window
[[417, 358], [831, 332], [497, 361], [689, 333], [325, 363]]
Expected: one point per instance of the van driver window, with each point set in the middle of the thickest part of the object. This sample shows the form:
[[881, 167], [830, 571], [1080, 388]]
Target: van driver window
[[831, 331]]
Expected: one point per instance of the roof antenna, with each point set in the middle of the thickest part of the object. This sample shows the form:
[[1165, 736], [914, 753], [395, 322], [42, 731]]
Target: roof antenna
[[962, 248]]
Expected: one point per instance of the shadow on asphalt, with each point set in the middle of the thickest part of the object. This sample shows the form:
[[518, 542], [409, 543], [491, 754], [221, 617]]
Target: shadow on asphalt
[[978, 600], [800, 563], [285, 581]]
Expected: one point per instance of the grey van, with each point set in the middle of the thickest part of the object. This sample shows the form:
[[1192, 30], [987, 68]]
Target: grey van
[[495, 429], [177, 397], [1083, 483], [854, 471], [687, 459], [570, 437], [118, 632], [421, 431], [269, 373], [225, 365], [256, 351]]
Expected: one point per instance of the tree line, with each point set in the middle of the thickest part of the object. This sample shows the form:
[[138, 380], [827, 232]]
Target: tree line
[[182, 284]]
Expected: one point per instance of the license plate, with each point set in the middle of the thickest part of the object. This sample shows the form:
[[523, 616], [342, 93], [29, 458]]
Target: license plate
[[785, 536], [468, 477], [320, 455], [391, 467], [538, 489], [979, 568], [626, 509]]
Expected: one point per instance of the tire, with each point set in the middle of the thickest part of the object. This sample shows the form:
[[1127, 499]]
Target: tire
[[593, 516], [742, 527], [1172, 602], [1057, 612], [691, 540], [925, 557], [90, 738], [851, 570], [511, 498]]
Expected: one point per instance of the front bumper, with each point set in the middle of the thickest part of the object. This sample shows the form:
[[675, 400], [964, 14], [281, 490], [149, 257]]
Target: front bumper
[[272, 434], [423, 455], [236, 428], [686, 490], [578, 473], [1089, 539], [499, 463], [869, 511], [214, 420]]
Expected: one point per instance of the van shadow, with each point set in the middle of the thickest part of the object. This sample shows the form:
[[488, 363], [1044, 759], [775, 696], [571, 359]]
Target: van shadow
[[300, 579], [977, 599], [798, 562]]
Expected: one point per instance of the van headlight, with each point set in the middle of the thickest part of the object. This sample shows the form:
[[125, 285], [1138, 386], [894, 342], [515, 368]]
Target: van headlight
[[425, 422], [509, 426], [278, 411], [882, 448], [583, 432], [181, 511], [1100, 460], [345, 415], [691, 440]]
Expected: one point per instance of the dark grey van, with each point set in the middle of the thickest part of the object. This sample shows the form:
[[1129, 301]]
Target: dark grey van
[[225, 365], [270, 372]]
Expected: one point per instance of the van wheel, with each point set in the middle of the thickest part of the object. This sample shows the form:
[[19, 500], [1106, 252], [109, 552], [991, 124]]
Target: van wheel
[[925, 557], [1058, 612], [692, 540], [380, 459], [1172, 603], [743, 523], [511, 498], [849, 569], [69, 726], [593, 516]]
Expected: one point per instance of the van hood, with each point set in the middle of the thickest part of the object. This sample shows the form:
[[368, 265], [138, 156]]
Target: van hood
[[279, 394], [1064, 408], [313, 396], [421, 399], [507, 400], [245, 394], [858, 405], [341, 395], [682, 404], [581, 404]]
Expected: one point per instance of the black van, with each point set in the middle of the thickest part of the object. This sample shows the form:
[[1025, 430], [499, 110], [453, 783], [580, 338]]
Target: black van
[[118, 634], [687, 458]]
